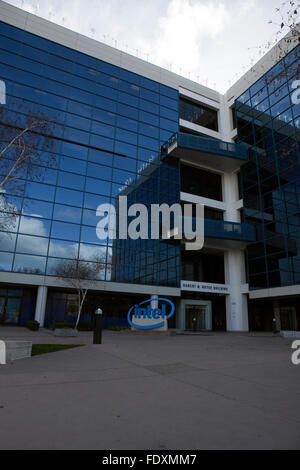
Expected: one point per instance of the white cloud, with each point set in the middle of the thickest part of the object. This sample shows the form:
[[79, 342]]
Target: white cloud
[[186, 31], [209, 41]]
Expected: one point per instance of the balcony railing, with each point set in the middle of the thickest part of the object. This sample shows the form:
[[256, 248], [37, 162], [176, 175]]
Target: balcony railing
[[227, 230], [203, 144]]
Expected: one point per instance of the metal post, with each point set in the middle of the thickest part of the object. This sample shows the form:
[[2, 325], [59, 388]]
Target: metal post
[[98, 327]]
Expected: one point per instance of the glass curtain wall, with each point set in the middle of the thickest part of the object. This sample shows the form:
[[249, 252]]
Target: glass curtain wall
[[107, 127], [268, 121]]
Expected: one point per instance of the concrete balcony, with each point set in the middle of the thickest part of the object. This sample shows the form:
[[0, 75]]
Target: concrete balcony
[[223, 156], [229, 231], [221, 234]]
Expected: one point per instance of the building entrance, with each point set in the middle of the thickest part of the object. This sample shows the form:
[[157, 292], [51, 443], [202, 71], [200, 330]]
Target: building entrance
[[288, 318], [10, 306], [195, 317]]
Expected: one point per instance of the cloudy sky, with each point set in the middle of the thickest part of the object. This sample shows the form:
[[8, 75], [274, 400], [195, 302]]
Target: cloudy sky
[[210, 41]]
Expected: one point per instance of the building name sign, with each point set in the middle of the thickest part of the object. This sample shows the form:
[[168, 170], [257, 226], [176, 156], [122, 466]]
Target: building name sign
[[205, 287]]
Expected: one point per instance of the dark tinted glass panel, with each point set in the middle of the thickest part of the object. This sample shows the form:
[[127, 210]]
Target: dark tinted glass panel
[[201, 183], [198, 114]]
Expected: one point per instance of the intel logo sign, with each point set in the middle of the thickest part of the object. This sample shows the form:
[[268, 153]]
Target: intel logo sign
[[142, 311]]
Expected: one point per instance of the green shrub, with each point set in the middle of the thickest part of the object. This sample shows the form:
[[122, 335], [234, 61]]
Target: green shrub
[[118, 328], [33, 325], [85, 327]]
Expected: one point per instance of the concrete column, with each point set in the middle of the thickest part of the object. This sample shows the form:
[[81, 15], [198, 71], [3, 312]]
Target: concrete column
[[225, 120], [236, 302], [40, 308], [231, 197], [276, 309]]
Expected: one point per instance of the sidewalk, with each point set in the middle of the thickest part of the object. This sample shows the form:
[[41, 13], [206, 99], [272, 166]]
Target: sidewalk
[[136, 392], [43, 336]]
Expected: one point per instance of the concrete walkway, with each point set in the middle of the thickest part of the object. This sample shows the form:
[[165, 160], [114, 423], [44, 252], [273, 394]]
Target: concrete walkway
[[224, 391]]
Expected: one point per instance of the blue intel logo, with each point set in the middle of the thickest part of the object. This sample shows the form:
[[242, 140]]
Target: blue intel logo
[[150, 313]]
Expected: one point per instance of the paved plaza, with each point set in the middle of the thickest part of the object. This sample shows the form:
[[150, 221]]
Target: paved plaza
[[210, 391]]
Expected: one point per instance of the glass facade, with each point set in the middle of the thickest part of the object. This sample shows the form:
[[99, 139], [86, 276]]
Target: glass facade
[[150, 261], [107, 128], [268, 121]]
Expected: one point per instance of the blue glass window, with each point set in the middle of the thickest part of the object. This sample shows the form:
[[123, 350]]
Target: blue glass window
[[149, 84], [102, 143], [149, 107], [97, 186], [91, 252], [167, 91], [126, 136], [99, 171], [32, 245], [130, 88], [37, 208], [40, 191], [67, 213], [168, 103], [65, 231], [29, 264], [125, 163], [149, 130], [125, 149], [68, 196], [126, 123], [7, 241], [73, 150], [63, 249], [104, 116], [6, 260], [34, 226], [103, 129], [70, 180], [72, 164], [92, 201], [100, 157]]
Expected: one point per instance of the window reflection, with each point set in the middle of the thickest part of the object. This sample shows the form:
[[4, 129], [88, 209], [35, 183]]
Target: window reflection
[[34, 226], [32, 245], [65, 231], [67, 213], [37, 208], [7, 241], [6, 260], [29, 264], [63, 249]]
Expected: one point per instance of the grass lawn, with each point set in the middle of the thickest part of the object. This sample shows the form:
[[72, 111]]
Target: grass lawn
[[47, 348]]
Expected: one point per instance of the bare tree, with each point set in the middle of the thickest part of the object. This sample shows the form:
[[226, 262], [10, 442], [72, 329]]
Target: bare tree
[[80, 275], [288, 26]]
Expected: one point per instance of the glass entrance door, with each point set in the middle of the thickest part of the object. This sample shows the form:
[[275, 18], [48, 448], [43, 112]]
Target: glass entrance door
[[9, 310], [195, 317], [288, 318], [2, 308]]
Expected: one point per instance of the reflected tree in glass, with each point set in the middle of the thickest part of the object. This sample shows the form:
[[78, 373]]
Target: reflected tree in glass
[[25, 152]]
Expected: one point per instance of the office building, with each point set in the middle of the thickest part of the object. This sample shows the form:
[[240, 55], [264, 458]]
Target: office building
[[121, 125]]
